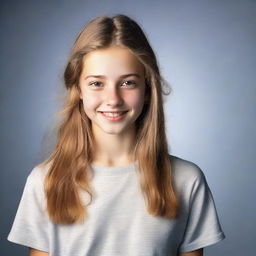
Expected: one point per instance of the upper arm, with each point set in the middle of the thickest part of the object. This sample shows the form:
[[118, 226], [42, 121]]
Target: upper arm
[[202, 223], [193, 253], [31, 224], [34, 252]]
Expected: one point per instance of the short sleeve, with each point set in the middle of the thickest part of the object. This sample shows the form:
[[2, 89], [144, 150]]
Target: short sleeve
[[203, 227], [30, 226]]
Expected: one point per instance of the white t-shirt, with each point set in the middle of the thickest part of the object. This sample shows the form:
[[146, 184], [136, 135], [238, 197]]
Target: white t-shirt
[[118, 222]]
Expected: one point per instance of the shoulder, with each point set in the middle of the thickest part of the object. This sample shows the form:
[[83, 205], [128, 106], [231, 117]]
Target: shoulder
[[34, 193], [182, 167], [185, 172], [38, 174]]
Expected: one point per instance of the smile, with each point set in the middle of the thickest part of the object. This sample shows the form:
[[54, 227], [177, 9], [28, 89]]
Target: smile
[[113, 113], [114, 116]]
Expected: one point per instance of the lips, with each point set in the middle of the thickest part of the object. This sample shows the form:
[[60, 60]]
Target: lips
[[113, 115]]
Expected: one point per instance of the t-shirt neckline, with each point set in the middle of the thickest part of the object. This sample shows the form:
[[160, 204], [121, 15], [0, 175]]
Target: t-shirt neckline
[[100, 169]]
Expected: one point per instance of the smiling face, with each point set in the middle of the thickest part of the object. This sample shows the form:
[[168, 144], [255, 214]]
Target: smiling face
[[112, 89]]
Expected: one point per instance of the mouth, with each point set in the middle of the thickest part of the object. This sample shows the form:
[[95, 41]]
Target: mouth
[[113, 115]]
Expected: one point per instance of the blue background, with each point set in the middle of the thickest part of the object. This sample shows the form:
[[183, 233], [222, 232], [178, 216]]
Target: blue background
[[206, 51]]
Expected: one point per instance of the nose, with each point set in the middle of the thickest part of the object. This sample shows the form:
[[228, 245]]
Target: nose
[[113, 97]]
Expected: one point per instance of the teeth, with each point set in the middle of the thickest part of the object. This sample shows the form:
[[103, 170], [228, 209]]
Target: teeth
[[113, 114]]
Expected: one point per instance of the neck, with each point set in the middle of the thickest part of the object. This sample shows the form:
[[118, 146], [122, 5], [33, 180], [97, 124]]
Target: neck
[[114, 149]]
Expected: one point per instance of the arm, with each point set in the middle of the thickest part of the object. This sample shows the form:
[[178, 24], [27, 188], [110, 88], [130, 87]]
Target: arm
[[194, 253], [34, 252]]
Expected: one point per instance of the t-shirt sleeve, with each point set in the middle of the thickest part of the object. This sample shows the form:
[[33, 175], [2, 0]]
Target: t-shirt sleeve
[[30, 226], [203, 227]]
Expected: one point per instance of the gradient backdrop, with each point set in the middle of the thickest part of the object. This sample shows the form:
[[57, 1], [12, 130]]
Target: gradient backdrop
[[206, 51]]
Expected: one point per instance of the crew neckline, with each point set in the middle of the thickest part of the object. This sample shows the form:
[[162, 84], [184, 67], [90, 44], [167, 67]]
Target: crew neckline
[[108, 170]]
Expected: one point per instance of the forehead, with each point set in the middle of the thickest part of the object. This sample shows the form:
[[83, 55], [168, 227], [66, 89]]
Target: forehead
[[112, 60]]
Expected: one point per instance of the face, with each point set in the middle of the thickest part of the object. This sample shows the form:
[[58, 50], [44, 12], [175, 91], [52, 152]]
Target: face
[[112, 89]]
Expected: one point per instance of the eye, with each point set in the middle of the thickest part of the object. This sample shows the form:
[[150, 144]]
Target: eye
[[95, 83], [129, 83]]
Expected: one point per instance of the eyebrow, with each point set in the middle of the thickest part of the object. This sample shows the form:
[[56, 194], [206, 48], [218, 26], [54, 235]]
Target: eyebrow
[[123, 76]]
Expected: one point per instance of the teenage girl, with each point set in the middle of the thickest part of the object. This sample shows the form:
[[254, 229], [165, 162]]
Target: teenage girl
[[110, 188]]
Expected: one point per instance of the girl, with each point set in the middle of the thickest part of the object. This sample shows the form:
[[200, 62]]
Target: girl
[[110, 187]]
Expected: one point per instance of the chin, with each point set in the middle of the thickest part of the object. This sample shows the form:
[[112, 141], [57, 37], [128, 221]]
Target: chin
[[113, 132], [118, 129]]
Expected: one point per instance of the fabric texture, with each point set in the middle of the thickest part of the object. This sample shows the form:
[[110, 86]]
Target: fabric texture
[[118, 222]]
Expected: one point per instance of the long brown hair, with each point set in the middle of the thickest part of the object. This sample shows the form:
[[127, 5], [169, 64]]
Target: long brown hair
[[70, 161]]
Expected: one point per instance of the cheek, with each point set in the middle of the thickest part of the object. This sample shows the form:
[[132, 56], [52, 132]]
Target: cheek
[[136, 101], [90, 102]]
